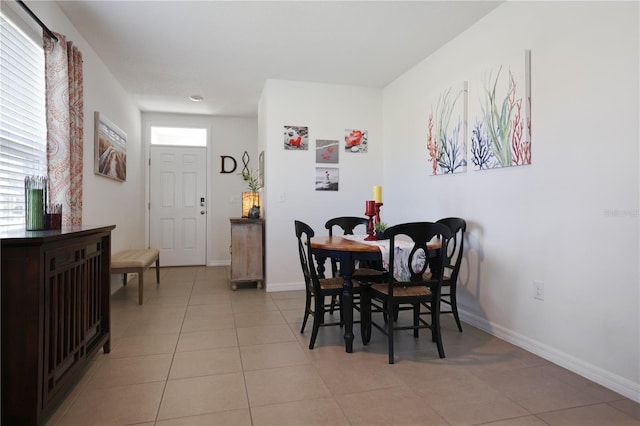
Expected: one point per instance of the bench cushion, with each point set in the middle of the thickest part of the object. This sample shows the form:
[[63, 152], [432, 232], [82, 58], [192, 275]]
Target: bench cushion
[[140, 258]]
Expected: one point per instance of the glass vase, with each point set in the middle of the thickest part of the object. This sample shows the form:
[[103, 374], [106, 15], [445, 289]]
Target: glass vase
[[35, 196]]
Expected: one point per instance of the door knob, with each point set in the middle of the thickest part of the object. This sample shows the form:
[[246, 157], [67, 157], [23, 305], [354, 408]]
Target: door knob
[[201, 211]]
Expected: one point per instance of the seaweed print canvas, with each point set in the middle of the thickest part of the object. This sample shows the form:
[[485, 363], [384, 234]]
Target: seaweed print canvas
[[501, 115], [446, 132]]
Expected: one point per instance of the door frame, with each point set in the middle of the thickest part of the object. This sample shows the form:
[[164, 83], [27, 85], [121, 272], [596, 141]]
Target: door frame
[[176, 120]]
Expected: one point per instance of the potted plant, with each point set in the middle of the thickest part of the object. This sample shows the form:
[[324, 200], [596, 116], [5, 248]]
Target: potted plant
[[380, 227], [254, 185]]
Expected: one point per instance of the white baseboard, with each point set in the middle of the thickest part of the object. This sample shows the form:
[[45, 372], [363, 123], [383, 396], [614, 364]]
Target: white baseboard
[[596, 374], [219, 263], [285, 287]]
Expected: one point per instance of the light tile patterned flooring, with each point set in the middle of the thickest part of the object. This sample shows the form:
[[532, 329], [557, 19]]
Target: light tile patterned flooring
[[197, 353]]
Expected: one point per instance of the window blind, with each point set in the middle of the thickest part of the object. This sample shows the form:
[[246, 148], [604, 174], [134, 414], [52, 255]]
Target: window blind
[[23, 130]]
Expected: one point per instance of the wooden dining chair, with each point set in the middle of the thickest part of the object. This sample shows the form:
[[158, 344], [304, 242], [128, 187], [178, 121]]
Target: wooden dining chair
[[458, 227], [414, 290], [317, 289]]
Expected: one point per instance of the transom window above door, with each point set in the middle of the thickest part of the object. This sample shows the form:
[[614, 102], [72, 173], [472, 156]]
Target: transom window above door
[[178, 136]]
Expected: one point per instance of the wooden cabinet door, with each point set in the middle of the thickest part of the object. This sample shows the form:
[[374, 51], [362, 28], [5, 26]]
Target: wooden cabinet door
[[246, 250]]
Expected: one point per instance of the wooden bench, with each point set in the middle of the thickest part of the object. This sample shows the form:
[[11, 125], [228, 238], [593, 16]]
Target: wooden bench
[[136, 261]]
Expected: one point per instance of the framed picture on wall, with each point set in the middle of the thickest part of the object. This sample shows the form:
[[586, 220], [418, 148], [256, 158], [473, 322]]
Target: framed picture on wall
[[500, 114], [356, 140], [261, 169], [447, 130], [110, 149], [327, 178], [327, 151], [296, 138]]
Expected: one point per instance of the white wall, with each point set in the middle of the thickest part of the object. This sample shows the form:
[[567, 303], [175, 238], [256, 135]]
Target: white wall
[[105, 201], [231, 136], [289, 192], [228, 136], [571, 218]]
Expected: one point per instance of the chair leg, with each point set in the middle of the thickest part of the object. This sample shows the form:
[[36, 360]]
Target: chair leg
[[434, 315], [320, 308], [307, 310], [436, 334], [365, 316], [314, 332], [390, 334], [454, 306], [439, 337], [333, 304], [416, 320], [317, 319]]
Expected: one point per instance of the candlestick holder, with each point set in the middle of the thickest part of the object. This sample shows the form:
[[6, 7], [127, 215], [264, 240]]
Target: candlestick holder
[[370, 229], [378, 205]]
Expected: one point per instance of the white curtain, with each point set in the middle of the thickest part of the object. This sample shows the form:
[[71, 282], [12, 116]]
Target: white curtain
[[65, 124]]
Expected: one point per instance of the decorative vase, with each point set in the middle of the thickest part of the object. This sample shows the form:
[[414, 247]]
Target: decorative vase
[[254, 212], [35, 196]]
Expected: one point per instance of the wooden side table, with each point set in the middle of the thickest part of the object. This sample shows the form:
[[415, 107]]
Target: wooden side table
[[247, 251]]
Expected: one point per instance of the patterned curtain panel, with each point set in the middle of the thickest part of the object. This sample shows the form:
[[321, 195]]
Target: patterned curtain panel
[[65, 118]]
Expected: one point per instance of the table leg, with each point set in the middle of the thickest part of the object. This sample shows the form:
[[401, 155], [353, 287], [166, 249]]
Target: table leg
[[347, 311], [347, 267], [365, 314], [320, 260]]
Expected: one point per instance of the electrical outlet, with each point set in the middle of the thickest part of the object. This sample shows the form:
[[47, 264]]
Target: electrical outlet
[[538, 290]]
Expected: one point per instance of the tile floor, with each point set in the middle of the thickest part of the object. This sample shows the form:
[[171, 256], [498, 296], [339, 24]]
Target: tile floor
[[197, 353]]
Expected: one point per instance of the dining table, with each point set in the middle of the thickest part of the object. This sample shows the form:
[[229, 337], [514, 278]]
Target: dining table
[[349, 249]]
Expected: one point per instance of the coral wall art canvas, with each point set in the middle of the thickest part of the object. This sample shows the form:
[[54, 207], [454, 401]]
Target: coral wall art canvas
[[327, 151], [446, 131], [327, 178], [296, 138], [500, 114], [110, 149], [356, 140]]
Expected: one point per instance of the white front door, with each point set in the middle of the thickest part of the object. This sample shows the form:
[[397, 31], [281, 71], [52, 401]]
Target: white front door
[[178, 212]]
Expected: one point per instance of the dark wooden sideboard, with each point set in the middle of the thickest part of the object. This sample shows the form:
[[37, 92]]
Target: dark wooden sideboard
[[55, 303]]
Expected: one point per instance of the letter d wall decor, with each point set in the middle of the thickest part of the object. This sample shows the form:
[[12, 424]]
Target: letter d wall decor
[[224, 164]]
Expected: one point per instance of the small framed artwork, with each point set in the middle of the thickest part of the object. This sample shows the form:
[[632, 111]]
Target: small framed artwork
[[296, 138], [327, 178], [110, 149], [356, 140], [261, 171], [327, 151]]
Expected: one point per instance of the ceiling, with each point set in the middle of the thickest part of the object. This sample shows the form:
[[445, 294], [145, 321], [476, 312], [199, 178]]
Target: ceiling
[[162, 52]]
